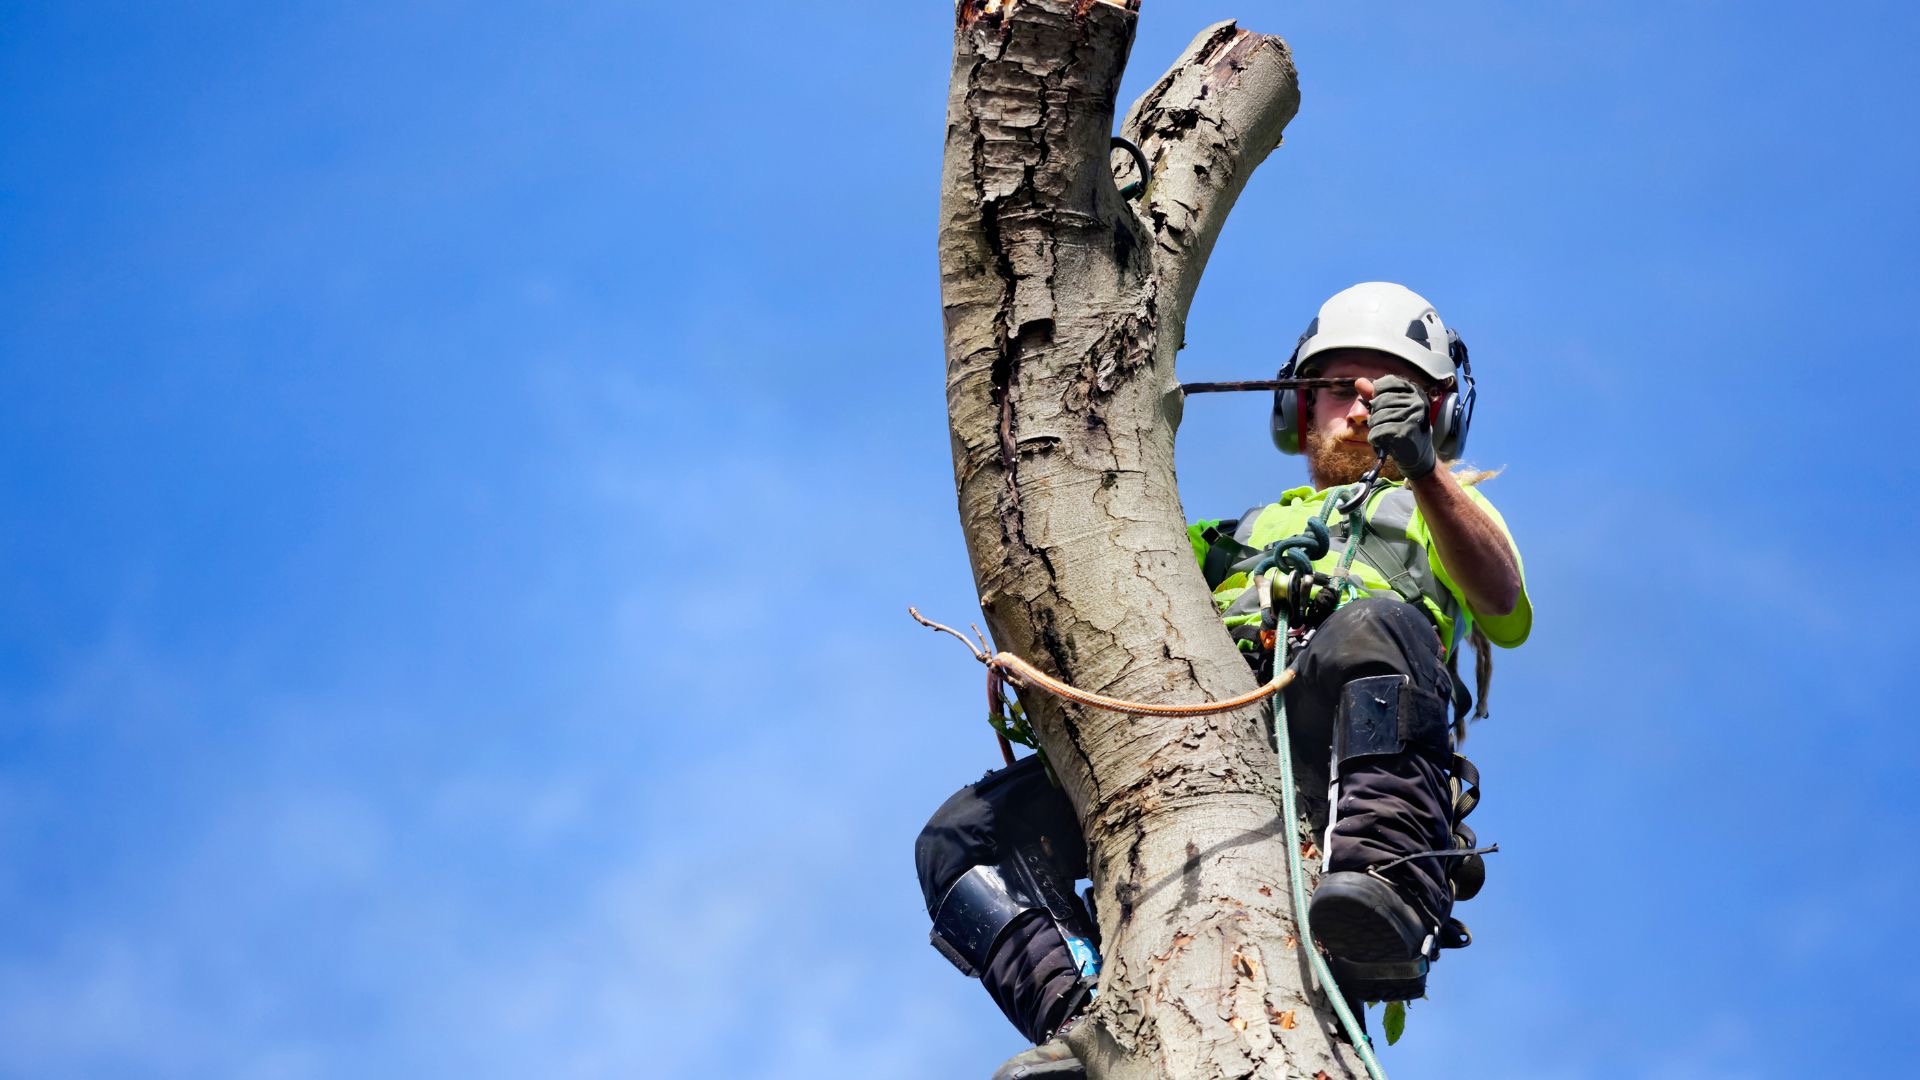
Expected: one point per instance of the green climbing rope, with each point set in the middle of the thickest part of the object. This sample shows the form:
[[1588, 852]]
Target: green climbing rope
[[1283, 746]]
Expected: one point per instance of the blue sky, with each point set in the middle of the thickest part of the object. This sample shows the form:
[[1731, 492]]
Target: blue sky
[[464, 468]]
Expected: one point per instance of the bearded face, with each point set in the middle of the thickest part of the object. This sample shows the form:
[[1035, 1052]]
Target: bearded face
[[1332, 462], [1334, 429]]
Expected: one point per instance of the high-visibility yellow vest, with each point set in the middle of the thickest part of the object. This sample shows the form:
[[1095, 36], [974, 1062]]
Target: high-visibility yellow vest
[[1395, 558]]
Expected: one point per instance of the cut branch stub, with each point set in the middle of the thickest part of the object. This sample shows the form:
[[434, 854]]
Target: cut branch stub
[[995, 11], [1205, 126]]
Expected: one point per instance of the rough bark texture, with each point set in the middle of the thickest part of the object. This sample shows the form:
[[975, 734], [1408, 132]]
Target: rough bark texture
[[1065, 306]]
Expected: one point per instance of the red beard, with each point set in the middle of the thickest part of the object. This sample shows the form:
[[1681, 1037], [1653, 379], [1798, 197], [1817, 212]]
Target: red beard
[[1331, 462]]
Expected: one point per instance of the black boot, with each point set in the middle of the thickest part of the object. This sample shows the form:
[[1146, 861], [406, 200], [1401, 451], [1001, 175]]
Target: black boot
[[1380, 944], [1383, 908], [1051, 1060]]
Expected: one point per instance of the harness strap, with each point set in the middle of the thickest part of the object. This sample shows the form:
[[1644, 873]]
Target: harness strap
[[1466, 785]]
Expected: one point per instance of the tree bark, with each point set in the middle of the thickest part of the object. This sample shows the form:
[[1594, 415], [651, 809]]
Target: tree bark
[[1065, 306]]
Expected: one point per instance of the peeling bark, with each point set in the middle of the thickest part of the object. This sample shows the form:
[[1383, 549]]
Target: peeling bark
[[1064, 308]]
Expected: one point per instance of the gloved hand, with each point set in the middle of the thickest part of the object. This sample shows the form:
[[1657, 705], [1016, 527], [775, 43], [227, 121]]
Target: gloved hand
[[1397, 424]]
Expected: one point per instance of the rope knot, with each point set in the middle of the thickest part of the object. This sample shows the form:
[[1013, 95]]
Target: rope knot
[[1298, 552]]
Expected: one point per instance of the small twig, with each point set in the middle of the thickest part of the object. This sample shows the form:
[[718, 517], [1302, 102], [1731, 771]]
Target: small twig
[[978, 654], [980, 637]]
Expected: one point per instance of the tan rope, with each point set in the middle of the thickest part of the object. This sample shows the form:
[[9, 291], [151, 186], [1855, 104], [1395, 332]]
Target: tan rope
[[1024, 674]]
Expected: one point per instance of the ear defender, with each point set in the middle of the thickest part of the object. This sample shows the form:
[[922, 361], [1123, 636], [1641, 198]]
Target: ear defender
[[1451, 414], [1288, 408], [1454, 413]]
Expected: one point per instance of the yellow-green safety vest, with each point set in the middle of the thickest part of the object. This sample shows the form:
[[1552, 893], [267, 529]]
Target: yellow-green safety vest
[[1395, 557]]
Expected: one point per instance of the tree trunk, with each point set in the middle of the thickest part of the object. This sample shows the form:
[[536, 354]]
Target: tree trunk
[[1065, 305]]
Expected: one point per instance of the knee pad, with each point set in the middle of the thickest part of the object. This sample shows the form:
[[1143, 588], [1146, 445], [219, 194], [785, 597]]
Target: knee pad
[[1387, 714], [975, 914], [1005, 809]]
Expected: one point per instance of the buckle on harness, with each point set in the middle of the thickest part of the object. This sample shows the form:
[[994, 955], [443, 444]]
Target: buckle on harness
[[1306, 599]]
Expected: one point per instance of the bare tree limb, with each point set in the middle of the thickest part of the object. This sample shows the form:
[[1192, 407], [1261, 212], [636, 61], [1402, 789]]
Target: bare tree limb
[[1064, 308], [1205, 126]]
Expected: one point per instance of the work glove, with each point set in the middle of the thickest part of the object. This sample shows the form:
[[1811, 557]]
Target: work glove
[[1397, 425]]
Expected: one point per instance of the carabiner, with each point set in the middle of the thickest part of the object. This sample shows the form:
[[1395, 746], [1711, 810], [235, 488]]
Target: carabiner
[[1138, 187], [1358, 500]]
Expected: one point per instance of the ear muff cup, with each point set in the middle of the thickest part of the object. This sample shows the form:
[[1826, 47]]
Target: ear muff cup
[[1455, 414], [1449, 419], [1289, 407], [1451, 415]]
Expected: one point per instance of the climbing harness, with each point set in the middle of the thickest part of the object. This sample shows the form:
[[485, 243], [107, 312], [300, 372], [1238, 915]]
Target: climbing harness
[[1295, 552]]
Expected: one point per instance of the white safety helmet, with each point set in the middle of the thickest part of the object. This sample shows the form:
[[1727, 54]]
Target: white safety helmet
[[1395, 320], [1382, 316]]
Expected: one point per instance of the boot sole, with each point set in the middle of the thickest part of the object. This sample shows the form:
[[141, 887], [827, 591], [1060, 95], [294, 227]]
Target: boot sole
[[1051, 1071], [1048, 1061], [1352, 929], [1361, 921], [1065, 1069]]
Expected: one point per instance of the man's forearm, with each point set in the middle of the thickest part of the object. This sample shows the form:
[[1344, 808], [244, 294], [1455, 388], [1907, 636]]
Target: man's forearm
[[1471, 547]]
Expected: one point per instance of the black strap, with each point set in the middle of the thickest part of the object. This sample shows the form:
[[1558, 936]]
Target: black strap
[[1467, 777], [1222, 552]]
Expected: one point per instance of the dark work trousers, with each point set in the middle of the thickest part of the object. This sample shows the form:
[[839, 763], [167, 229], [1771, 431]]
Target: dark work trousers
[[1390, 805], [1031, 975]]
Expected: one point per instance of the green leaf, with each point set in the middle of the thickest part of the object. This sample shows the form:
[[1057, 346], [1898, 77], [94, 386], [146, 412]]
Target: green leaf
[[1014, 728], [1394, 1020]]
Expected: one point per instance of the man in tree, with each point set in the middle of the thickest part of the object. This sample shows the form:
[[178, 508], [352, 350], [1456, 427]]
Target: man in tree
[[1414, 562]]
